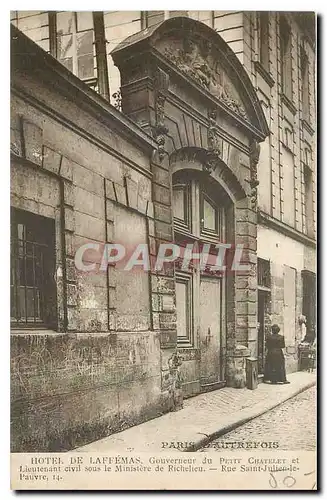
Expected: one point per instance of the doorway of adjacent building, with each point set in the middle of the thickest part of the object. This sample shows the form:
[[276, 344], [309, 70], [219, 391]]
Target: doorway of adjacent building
[[262, 328], [264, 301], [309, 303]]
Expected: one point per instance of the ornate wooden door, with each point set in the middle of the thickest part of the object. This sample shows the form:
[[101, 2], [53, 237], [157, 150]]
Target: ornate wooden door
[[200, 302]]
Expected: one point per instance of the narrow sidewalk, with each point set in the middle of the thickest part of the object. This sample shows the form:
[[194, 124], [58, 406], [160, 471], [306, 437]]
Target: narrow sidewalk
[[202, 419]]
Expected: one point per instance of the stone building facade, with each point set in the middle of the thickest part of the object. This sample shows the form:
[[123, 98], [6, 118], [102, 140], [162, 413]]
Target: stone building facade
[[205, 142]]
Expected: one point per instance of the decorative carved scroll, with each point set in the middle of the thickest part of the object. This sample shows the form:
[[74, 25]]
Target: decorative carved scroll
[[254, 159], [117, 100], [213, 153], [161, 84]]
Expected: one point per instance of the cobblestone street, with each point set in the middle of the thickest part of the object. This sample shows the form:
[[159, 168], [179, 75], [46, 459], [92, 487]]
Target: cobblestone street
[[292, 425], [216, 413]]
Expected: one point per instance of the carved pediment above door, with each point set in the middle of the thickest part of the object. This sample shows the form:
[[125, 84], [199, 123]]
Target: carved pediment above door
[[201, 67], [198, 59]]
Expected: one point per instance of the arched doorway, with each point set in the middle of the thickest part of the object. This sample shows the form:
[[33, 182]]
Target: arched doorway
[[183, 85], [200, 209]]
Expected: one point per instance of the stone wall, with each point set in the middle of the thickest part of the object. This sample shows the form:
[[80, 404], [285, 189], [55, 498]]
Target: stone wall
[[100, 371], [71, 389]]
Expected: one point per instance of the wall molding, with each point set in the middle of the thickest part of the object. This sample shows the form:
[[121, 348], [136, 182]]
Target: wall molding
[[20, 93], [281, 227]]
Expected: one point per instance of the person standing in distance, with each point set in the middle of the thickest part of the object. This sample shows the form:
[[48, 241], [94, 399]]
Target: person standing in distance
[[275, 362]]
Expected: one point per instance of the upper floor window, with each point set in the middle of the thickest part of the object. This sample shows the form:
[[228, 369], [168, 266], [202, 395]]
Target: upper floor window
[[305, 99], [286, 57], [307, 156], [35, 24], [263, 39], [76, 39], [32, 287], [75, 43]]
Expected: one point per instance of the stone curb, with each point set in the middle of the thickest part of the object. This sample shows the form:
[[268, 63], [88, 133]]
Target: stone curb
[[247, 416]]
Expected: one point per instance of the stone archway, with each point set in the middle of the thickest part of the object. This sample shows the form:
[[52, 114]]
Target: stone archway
[[236, 298], [183, 85]]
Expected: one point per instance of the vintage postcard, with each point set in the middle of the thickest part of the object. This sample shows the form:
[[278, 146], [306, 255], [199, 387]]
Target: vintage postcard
[[163, 250]]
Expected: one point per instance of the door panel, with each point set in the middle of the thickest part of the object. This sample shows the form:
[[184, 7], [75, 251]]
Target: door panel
[[184, 309], [210, 330]]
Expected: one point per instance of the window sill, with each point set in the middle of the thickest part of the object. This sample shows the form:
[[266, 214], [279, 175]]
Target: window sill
[[290, 150], [180, 226], [307, 126], [262, 288], [287, 101], [34, 331], [264, 73], [210, 236], [184, 344], [92, 82], [182, 231], [188, 353]]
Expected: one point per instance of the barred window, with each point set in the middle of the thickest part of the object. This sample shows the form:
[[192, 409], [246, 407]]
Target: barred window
[[33, 297]]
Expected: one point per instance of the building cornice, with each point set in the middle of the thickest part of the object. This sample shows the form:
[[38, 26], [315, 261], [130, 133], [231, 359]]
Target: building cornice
[[307, 126], [78, 130], [266, 220]]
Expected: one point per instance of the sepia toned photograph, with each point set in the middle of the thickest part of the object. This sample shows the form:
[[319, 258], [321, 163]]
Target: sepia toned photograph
[[163, 213]]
